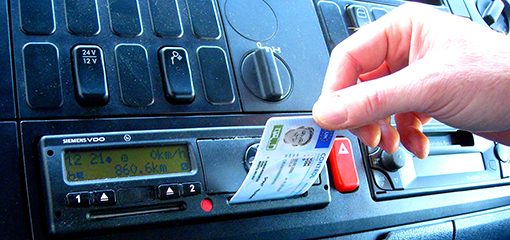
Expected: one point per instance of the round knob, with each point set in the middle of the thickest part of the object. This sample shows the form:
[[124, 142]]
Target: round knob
[[393, 162], [502, 152], [265, 75], [249, 156]]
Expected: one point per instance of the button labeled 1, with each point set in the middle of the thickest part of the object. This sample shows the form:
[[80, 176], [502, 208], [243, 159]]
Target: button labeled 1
[[78, 199]]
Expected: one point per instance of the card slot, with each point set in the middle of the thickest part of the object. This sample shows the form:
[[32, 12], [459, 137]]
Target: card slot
[[134, 211]]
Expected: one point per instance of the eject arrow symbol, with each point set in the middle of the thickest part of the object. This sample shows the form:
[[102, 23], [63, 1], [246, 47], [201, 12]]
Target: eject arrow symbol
[[104, 198], [169, 192]]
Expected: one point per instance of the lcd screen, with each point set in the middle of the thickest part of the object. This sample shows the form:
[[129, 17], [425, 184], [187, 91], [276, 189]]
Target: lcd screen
[[89, 165]]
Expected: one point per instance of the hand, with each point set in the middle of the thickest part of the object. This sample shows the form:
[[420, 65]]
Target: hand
[[417, 63]]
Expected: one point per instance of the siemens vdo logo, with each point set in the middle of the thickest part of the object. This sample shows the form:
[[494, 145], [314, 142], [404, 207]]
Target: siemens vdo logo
[[83, 140]]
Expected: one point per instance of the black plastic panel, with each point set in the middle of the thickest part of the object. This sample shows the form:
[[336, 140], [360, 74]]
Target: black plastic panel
[[36, 17], [42, 81], [489, 226], [13, 208], [281, 30], [217, 36], [216, 171], [121, 23], [7, 96], [166, 21], [215, 75], [204, 19], [439, 231], [176, 75], [82, 20], [134, 77], [89, 75], [198, 27], [333, 20], [125, 17]]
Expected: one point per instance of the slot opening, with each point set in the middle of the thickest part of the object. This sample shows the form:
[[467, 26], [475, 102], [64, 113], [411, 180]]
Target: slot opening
[[458, 138], [431, 2], [133, 211]]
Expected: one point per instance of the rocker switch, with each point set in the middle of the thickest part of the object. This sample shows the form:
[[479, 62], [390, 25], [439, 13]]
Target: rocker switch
[[89, 76]]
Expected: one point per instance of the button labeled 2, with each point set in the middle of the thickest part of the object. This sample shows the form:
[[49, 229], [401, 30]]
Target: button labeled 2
[[190, 189]]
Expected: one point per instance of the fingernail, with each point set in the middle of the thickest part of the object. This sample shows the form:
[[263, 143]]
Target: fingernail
[[390, 139], [330, 111], [381, 145], [361, 137], [422, 152]]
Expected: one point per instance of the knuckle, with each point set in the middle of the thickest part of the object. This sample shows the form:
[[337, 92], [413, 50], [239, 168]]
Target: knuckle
[[374, 102]]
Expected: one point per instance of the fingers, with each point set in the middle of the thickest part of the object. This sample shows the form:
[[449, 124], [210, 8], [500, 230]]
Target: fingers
[[369, 101], [390, 138], [362, 106], [410, 126], [380, 133], [369, 134], [403, 65], [382, 71], [385, 42], [379, 49], [384, 135]]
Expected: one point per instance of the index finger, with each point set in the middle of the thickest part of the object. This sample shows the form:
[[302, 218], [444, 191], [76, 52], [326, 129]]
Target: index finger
[[384, 41]]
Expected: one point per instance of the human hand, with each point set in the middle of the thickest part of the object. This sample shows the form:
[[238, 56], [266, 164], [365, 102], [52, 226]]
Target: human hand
[[417, 63]]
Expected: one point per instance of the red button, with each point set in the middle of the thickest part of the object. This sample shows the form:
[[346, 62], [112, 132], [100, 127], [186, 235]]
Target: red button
[[207, 205], [342, 166]]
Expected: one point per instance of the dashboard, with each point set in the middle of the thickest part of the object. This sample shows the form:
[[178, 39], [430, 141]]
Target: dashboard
[[136, 119]]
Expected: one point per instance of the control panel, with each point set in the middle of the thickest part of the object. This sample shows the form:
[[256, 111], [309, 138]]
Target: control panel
[[76, 62], [138, 119], [117, 58], [104, 180], [457, 160]]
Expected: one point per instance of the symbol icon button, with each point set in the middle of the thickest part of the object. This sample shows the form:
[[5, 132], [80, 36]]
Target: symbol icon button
[[168, 191], [104, 197], [175, 55], [177, 81]]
